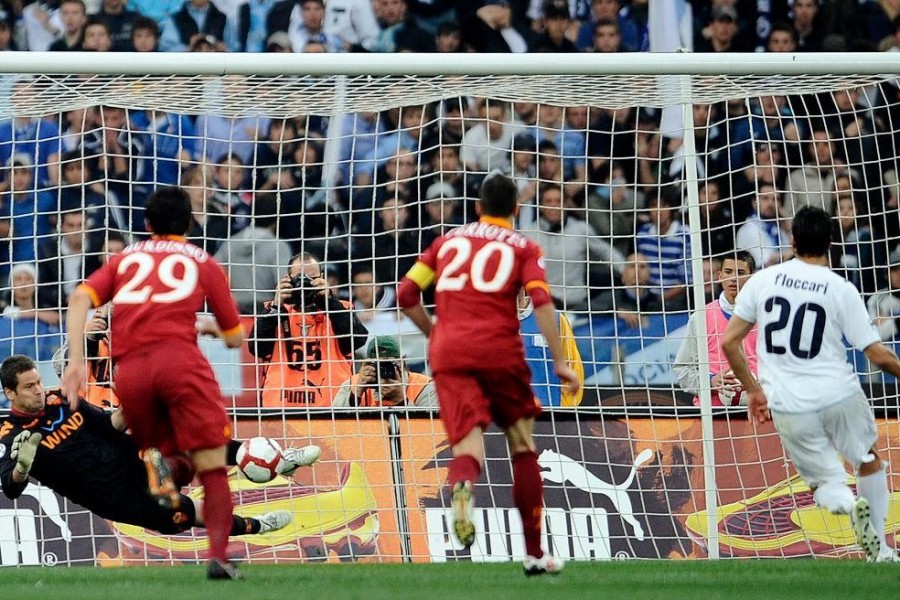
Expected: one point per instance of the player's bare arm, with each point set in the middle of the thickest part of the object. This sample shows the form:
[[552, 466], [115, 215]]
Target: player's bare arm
[[409, 296], [884, 358], [735, 332], [208, 326], [80, 302]]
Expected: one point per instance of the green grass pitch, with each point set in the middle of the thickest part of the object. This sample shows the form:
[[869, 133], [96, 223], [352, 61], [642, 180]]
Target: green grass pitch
[[666, 580]]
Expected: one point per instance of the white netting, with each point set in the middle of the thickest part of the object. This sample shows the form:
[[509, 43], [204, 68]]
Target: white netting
[[363, 172]]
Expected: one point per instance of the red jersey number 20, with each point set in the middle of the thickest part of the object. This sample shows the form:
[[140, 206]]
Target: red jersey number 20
[[455, 275], [135, 289]]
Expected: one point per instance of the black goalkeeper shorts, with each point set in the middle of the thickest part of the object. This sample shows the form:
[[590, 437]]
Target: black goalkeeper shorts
[[143, 510]]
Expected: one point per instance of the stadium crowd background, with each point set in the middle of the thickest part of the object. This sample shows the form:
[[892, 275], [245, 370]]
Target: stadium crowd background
[[600, 188]]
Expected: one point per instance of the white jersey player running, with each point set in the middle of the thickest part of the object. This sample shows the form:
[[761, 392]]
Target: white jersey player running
[[803, 312]]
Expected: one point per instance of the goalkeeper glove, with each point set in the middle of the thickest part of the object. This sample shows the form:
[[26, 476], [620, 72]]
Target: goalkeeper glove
[[23, 449]]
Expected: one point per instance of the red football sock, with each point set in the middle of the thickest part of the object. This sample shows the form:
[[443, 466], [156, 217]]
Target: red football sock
[[464, 468], [217, 508], [182, 469], [528, 494]]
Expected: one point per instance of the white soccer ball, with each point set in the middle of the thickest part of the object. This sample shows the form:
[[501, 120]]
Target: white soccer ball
[[260, 459]]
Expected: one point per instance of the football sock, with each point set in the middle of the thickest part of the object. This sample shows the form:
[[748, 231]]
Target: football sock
[[231, 451], [244, 525], [217, 509], [464, 468], [874, 489], [182, 469], [528, 494]]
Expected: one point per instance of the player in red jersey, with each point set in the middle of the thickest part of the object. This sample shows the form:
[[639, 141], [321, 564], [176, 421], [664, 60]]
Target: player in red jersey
[[166, 387], [477, 357]]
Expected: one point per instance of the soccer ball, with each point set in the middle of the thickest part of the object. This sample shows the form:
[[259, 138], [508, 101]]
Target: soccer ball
[[260, 459]]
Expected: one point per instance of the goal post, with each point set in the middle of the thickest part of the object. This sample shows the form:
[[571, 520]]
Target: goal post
[[638, 173]]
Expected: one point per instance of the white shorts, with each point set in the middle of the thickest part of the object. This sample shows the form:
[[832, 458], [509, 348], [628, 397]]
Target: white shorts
[[816, 441]]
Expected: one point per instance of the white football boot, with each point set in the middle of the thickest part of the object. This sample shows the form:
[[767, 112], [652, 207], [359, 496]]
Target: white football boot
[[545, 565], [275, 520], [294, 458], [861, 518]]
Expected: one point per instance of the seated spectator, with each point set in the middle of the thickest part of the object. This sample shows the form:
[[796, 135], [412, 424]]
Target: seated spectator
[[74, 17], [666, 243], [544, 381], [79, 191], [24, 212], [771, 120], [556, 22], [25, 326], [383, 379], [722, 29], [442, 211], [399, 29], [209, 226], [116, 152], [446, 168], [611, 141], [223, 135], [450, 126], [65, 260], [254, 257], [854, 252], [97, 36], [611, 210], [206, 43], [884, 305], [368, 297], [229, 195], [611, 12], [170, 143], [767, 169], [448, 38], [306, 339], [633, 300], [813, 183], [486, 145], [716, 220], [782, 38], [764, 235], [196, 19], [807, 26], [119, 22], [7, 41], [571, 143], [569, 245], [408, 136], [395, 246], [33, 137], [523, 171], [145, 35], [22, 299], [308, 25], [607, 38]]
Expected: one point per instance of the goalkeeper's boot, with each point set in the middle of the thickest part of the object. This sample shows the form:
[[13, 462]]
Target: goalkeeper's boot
[[274, 520], [295, 458], [545, 565], [217, 569], [159, 479], [861, 517], [462, 503]]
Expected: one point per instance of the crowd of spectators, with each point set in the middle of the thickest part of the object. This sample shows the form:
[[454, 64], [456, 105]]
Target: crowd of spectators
[[600, 189]]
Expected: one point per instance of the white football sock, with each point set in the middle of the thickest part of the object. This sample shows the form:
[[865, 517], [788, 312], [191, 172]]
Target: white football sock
[[874, 489]]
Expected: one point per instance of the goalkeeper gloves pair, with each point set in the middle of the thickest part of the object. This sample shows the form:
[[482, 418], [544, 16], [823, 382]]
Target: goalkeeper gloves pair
[[24, 448]]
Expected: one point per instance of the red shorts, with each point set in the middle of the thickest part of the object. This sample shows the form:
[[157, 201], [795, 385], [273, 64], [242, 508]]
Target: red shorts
[[470, 399], [172, 401]]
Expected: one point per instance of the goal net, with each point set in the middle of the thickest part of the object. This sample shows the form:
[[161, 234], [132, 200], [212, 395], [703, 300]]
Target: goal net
[[649, 181]]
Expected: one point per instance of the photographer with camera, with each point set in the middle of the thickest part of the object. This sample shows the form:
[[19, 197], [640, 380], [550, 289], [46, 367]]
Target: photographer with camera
[[384, 380], [306, 339]]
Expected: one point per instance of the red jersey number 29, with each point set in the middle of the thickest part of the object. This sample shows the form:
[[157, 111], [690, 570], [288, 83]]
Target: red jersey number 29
[[134, 290], [459, 270]]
